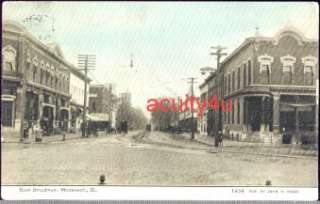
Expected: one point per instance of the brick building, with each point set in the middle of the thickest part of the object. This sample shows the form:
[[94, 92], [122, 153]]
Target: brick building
[[35, 84], [272, 84]]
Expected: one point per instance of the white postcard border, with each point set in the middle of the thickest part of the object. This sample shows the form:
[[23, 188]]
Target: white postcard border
[[156, 193]]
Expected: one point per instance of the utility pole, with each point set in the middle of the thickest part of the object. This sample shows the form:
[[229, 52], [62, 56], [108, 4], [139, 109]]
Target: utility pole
[[85, 63], [218, 52], [192, 82]]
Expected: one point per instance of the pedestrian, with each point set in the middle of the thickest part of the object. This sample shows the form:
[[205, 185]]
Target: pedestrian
[[63, 132], [83, 129], [220, 135]]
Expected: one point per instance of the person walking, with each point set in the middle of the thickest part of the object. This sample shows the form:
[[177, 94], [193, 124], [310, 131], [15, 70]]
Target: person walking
[[83, 129]]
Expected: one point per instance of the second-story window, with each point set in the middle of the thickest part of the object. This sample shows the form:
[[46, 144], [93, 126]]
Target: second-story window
[[265, 69], [9, 58], [229, 84], [287, 69], [34, 75], [309, 69], [244, 75], [233, 81], [239, 77], [249, 72]]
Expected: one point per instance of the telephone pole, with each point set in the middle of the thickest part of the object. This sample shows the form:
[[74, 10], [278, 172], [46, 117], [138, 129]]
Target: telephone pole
[[85, 63], [192, 82], [218, 52]]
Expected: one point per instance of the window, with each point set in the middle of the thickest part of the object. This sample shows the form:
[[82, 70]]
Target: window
[[229, 117], [7, 116], [287, 68], [8, 66], [34, 75], [225, 85], [249, 72], [56, 84], [265, 68], [309, 69], [63, 103], [229, 83], [238, 78], [238, 112], [9, 58], [46, 98], [244, 75], [48, 79], [232, 111], [41, 76], [233, 81]]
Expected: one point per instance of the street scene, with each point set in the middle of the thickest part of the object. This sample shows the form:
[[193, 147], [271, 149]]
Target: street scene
[[160, 94], [157, 159]]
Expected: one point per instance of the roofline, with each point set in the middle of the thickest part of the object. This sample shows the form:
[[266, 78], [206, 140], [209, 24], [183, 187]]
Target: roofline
[[250, 40], [72, 68]]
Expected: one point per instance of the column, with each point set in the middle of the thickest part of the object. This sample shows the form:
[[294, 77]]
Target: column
[[263, 115], [19, 115], [296, 121], [276, 114], [21, 91]]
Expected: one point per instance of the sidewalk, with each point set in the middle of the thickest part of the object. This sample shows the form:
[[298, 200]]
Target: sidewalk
[[255, 148], [54, 138]]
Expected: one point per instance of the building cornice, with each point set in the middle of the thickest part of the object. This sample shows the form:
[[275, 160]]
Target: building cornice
[[22, 32]]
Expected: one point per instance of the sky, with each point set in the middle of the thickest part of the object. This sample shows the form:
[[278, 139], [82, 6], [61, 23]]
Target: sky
[[169, 41]]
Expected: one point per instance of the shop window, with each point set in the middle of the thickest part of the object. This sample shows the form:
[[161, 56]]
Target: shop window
[[238, 112], [9, 58], [7, 113], [233, 112]]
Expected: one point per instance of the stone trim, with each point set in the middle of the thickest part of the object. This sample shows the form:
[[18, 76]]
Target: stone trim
[[265, 60]]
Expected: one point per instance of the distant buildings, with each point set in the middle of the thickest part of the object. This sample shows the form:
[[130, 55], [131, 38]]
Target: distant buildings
[[103, 102], [272, 84], [125, 98]]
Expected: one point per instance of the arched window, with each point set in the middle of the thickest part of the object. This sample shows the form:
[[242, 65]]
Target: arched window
[[287, 69], [34, 74], [309, 69], [9, 58], [265, 68]]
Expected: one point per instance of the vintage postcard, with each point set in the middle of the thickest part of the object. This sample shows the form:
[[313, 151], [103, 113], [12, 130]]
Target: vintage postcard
[[159, 100]]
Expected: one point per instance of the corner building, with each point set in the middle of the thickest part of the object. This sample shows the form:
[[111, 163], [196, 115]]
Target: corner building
[[272, 84], [35, 84]]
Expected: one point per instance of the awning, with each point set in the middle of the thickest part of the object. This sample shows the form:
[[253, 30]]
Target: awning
[[98, 117], [298, 106]]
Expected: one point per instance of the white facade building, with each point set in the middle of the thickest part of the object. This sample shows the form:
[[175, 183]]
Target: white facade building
[[77, 85]]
